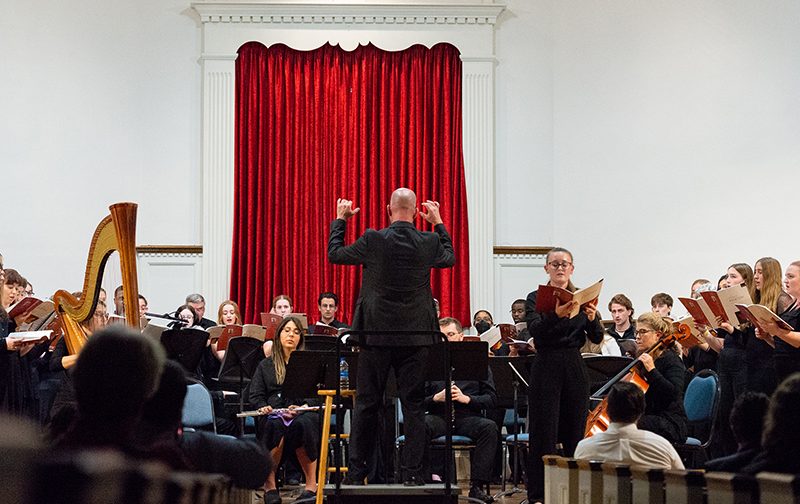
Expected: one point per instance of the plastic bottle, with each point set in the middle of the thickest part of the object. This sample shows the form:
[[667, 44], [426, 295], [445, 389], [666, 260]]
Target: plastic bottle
[[344, 374]]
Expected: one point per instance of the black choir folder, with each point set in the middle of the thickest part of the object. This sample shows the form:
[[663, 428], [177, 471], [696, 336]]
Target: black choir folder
[[547, 294]]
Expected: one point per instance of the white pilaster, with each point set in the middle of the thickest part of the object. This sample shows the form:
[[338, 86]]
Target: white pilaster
[[218, 170], [478, 138]]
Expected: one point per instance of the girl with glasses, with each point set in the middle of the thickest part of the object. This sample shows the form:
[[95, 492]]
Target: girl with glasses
[[559, 391]]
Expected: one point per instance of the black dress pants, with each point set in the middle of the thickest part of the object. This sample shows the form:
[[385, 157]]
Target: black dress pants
[[558, 403], [483, 433], [409, 364]]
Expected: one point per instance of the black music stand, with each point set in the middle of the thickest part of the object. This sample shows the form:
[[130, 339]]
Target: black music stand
[[310, 370], [185, 346], [602, 368], [448, 362], [508, 374], [242, 357], [319, 342]]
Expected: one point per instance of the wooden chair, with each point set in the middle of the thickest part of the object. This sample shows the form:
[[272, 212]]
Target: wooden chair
[[590, 482], [684, 487], [777, 488], [647, 485], [617, 487], [730, 488]]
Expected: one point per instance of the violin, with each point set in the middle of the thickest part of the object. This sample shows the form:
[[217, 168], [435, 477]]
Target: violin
[[598, 419]]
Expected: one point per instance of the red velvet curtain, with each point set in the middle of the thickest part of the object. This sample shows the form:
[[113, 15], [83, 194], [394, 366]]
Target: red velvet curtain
[[314, 126]]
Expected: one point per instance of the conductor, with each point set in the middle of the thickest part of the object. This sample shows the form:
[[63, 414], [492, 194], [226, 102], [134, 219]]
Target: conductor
[[395, 295]]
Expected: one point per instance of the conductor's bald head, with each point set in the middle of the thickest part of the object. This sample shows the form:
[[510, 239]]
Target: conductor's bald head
[[402, 205]]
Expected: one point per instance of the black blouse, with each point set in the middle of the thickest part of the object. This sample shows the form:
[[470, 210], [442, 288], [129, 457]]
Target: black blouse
[[551, 332], [266, 391]]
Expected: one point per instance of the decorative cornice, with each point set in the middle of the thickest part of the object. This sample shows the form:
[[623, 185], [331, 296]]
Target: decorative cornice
[[522, 251], [269, 12], [169, 250]]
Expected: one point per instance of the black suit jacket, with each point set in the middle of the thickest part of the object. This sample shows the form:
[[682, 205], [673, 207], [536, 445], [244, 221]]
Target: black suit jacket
[[396, 283]]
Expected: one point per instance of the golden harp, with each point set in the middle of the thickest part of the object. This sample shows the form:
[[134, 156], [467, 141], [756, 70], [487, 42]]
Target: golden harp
[[116, 231]]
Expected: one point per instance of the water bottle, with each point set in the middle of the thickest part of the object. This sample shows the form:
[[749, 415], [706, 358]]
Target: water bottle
[[344, 374]]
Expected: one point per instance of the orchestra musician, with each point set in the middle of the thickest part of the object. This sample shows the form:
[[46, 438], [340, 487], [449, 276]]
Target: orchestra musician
[[288, 431], [559, 391], [665, 373]]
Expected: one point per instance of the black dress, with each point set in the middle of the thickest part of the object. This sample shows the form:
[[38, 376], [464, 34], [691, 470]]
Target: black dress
[[759, 355], [787, 357], [302, 432]]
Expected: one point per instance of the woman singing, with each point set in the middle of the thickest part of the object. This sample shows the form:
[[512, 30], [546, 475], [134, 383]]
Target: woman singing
[[559, 391], [287, 430], [787, 343], [767, 290], [731, 365]]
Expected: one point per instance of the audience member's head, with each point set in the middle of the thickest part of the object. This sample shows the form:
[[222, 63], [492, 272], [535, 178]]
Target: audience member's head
[[451, 328], [781, 439], [625, 403], [518, 310], [747, 419], [281, 305], [661, 303], [328, 303], [198, 302], [163, 410], [228, 313], [117, 371]]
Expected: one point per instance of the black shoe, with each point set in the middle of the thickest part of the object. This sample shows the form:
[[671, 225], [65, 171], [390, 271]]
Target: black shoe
[[350, 480], [414, 480], [272, 497], [477, 492], [307, 494]]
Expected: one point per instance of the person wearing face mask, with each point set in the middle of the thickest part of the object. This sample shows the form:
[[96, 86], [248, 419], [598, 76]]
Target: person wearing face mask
[[559, 383], [482, 321]]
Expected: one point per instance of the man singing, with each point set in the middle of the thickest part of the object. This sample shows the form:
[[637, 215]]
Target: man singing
[[395, 295]]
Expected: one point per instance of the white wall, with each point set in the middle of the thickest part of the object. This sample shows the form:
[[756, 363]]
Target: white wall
[[675, 129], [99, 102], [621, 125]]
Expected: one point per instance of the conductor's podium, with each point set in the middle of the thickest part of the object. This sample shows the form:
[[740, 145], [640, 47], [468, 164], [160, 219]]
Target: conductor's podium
[[368, 494]]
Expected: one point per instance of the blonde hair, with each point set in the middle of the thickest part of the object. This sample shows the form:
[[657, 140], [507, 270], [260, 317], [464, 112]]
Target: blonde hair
[[771, 284], [661, 325]]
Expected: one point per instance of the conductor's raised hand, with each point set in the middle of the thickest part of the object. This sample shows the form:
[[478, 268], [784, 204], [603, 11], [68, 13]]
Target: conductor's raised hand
[[344, 209], [431, 212]]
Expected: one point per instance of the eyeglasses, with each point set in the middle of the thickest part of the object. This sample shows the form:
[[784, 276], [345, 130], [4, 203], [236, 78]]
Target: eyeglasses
[[560, 265], [642, 332]]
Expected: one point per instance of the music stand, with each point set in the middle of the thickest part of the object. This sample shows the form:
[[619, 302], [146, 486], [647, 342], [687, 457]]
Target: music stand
[[185, 346], [508, 373], [602, 368], [320, 343], [241, 360]]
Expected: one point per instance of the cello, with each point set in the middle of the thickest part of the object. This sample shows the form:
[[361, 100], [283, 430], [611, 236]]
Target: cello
[[598, 419]]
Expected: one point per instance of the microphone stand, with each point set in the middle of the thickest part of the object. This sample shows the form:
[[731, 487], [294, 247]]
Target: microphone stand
[[515, 384]]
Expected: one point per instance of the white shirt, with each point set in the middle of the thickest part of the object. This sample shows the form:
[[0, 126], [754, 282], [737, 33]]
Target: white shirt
[[627, 444]]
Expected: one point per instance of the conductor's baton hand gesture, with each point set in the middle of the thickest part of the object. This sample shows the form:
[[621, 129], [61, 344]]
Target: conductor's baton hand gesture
[[344, 209], [431, 212]]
